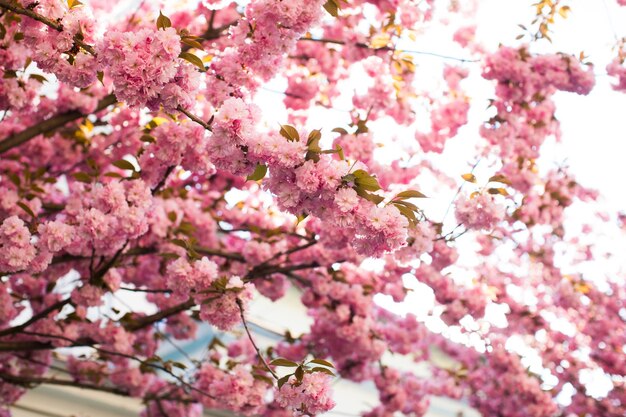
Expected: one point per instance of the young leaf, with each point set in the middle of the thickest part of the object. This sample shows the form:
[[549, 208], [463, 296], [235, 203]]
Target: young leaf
[[500, 191], [258, 174], [323, 370], [189, 57], [340, 153], [124, 164], [365, 180], [340, 130], [113, 175], [289, 132], [409, 194], [322, 362], [26, 209], [191, 41], [283, 362], [163, 22], [299, 374], [332, 8], [374, 198], [282, 381], [38, 77], [469, 177], [500, 178], [406, 212], [82, 177], [314, 137], [406, 204]]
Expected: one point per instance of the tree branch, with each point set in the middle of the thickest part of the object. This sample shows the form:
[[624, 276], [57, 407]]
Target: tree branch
[[195, 118], [51, 124], [258, 352], [42, 314], [27, 381]]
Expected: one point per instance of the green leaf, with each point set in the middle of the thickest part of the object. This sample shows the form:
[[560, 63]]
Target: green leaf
[[113, 175], [469, 177], [340, 130], [409, 194], [314, 137], [322, 362], [26, 209], [282, 381], [332, 8], [283, 362], [289, 132], [324, 370], [38, 77], [406, 204], [82, 177], [500, 191], [301, 218], [124, 164], [340, 153], [258, 174], [189, 57], [299, 374], [500, 178], [374, 198], [361, 127], [163, 22], [14, 178], [365, 180], [406, 212], [191, 41], [181, 243]]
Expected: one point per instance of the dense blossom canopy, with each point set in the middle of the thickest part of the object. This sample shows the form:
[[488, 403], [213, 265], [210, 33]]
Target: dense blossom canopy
[[136, 158]]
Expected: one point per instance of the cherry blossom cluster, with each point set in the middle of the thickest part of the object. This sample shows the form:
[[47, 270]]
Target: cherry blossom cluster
[[137, 164]]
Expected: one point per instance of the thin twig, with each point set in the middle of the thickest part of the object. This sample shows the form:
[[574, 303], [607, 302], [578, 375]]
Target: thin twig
[[51, 124], [194, 118], [258, 352], [386, 48]]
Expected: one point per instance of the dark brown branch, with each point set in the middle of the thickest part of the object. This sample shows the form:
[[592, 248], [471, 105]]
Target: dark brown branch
[[274, 269], [93, 344], [216, 252], [161, 183], [195, 118], [42, 314], [51, 124], [146, 321], [29, 381]]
